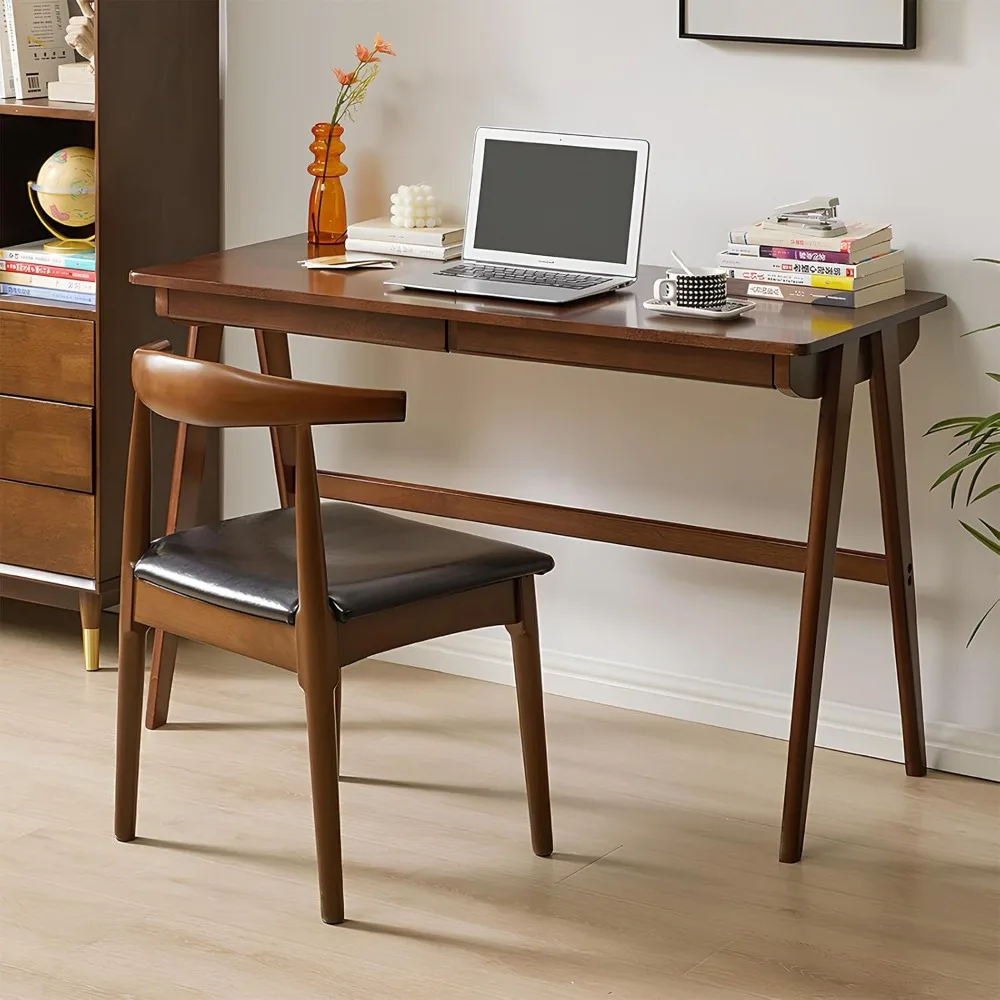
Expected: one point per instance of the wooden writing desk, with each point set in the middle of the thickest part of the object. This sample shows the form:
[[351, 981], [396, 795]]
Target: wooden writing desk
[[800, 350]]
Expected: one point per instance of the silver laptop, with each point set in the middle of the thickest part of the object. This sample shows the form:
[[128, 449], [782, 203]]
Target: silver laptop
[[552, 218]]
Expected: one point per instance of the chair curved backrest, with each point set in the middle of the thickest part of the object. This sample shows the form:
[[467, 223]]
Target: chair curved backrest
[[210, 394]]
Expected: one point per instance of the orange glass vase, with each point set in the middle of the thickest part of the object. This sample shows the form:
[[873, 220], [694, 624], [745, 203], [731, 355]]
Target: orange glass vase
[[327, 205]]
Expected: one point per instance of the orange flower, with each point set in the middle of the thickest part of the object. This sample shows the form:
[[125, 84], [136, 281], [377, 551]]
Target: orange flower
[[381, 45], [344, 79], [365, 54]]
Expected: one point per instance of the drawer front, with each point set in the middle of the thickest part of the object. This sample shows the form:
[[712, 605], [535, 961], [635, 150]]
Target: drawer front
[[48, 529], [47, 358], [50, 444]]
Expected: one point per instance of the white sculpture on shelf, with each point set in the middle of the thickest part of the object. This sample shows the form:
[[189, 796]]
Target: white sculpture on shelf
[[415, 207], [80, 33]]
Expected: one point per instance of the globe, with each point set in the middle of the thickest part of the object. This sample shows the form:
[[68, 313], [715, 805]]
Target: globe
[[64, 189]]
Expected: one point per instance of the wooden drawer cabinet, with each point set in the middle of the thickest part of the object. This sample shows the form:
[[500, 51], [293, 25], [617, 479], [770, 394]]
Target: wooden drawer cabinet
[[50, 444], [47, 529], [45, 357], [62, 468]]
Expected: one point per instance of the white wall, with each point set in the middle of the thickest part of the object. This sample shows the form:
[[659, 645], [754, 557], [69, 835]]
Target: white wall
[[735, 129]]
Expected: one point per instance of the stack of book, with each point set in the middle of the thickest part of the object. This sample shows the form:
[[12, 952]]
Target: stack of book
[[32, 46], [854, 270], [380, 236], [32, 271]]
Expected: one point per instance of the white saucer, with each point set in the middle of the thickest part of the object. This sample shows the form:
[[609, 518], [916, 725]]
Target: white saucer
[[732, 309]]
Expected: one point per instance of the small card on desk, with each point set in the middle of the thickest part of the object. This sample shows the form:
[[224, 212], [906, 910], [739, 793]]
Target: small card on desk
[[346, 262]]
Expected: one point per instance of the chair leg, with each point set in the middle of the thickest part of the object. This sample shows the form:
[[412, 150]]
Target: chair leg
[[531, 715], [131, 678], [324, 770], [337, 699], [190, 452]]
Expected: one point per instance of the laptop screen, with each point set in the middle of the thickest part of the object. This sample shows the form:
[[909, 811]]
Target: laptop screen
[[556, 200]]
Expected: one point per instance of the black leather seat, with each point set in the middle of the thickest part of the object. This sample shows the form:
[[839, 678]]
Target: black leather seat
[[374, 561]]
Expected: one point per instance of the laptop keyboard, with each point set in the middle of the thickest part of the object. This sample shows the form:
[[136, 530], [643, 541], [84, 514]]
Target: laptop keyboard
[[523, 276]]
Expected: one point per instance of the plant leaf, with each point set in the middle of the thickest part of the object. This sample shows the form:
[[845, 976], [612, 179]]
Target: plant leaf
[[943, 425], [985, 493], [992, 421], [981, 620], [989, 527], [975, 479], [965, 462], [986, 260], [994, 375], [982, 329], [993, 546], [973, 442]]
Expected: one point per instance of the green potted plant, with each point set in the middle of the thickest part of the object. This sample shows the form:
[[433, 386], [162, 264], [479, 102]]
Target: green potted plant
[[978, 442]]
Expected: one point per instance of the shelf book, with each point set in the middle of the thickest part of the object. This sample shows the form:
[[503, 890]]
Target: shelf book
[[70, 322], [36, 44], [6, 59], [46, 275]]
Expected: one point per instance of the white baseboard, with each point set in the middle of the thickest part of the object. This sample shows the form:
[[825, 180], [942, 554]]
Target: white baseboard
[[730, 706]]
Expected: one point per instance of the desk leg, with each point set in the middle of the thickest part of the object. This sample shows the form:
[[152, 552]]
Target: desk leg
[[817, 588], [204, 342], [890, 454], [272, 350]]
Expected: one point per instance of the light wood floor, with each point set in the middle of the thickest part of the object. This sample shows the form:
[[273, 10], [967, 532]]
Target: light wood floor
[[665, 884]]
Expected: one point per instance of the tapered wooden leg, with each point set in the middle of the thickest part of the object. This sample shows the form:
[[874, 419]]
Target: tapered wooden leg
[[204, 342], [890, 455], [817, 589], [272, 351], [90, 621], [131, 675], [531, 716], [324, 771]]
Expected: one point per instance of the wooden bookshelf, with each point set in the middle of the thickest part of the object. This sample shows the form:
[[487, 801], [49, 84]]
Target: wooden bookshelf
[[44, 108], [156, 129]]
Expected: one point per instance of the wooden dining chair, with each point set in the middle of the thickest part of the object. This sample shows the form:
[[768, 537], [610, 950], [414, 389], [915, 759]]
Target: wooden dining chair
[[310, 589]]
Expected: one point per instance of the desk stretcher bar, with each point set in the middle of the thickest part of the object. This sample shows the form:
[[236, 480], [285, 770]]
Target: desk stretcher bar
[[597, 526]]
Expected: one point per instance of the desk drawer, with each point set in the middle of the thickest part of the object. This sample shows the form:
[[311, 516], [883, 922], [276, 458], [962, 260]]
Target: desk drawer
[[47, 358], [642, 356], [50, 444], [48, 529]]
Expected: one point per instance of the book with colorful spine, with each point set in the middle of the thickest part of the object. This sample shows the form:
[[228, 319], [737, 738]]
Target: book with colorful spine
[[35, 253], [43, 282], [53, 294], [817, 256], [816, 296]]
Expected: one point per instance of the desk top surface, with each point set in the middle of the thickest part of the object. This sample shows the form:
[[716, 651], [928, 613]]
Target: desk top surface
[[270, 272]]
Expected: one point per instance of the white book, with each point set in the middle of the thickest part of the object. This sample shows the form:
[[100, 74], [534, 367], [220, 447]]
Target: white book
[[404, 249], [6, 59], [73, 91], [383, 230], [37, 35], [75, 72]]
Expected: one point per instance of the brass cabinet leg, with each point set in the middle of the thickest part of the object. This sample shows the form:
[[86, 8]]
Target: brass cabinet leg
[[90, 619]]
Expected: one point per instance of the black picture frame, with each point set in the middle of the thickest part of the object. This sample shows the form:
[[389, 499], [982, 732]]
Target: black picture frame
[[909, 33]]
